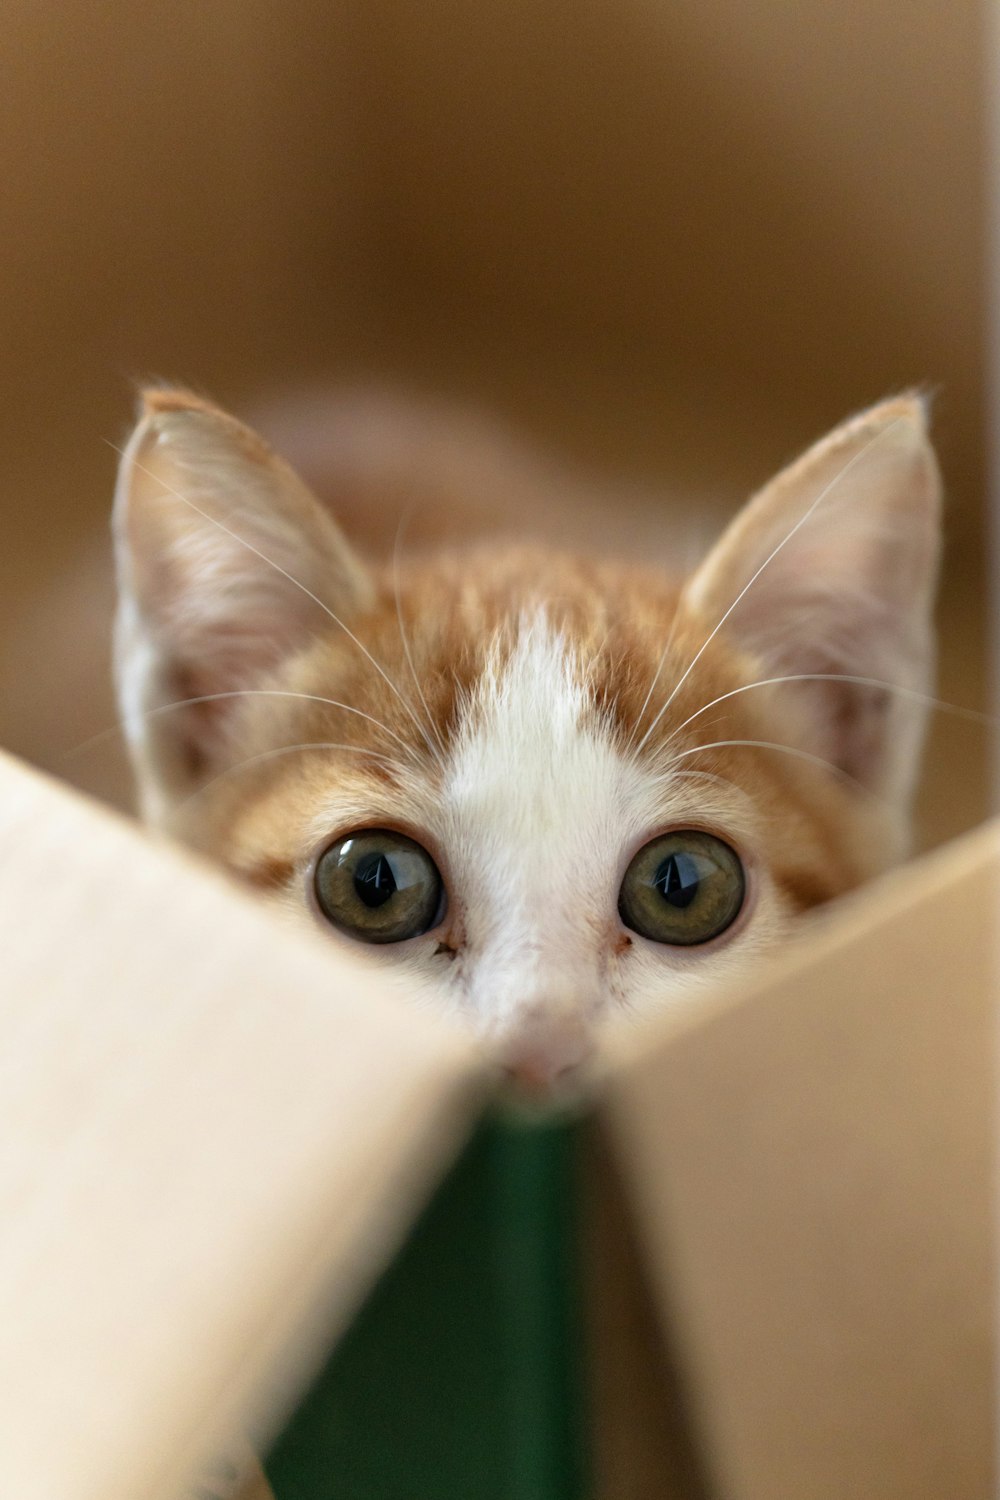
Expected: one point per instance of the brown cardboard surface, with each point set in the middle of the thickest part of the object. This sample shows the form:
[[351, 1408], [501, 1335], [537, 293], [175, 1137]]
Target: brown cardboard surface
[[215, 1131], [813, 1168], [632, 236], [210, 1129], [642, 1442]]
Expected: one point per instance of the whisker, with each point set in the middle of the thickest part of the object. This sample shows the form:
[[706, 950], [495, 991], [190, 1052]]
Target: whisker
[[723, 781], [403, 521], [596, 653], [164, 708], [816, 760], [265, 755], [926, 700], [824, 492], [297, 583], [652, 686]]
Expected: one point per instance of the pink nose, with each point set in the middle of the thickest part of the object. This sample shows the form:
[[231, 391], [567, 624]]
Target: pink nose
[[547, 1053]]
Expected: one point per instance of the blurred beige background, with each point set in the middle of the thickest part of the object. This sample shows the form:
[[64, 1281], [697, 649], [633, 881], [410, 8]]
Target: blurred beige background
[[670, 242]]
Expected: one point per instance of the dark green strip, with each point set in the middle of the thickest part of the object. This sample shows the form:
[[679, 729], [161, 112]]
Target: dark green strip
[[461, 1378], [535, 1193]]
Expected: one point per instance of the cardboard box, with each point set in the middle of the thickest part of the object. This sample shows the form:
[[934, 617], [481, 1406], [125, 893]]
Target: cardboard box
[[674, 246], [248, 1194], [671, 244]]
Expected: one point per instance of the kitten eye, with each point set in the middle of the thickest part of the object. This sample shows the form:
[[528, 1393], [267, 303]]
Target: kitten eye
[[682, 888], [379, 887]]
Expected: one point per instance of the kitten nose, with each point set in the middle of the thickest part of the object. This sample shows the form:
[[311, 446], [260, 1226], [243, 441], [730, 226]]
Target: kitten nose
[[547, 1052]]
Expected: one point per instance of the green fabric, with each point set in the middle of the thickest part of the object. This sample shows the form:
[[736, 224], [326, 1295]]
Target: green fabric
[[461, 1379]]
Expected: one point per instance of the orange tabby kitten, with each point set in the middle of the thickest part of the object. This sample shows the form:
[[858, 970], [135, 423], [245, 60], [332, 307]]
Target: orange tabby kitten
[[548, 788]]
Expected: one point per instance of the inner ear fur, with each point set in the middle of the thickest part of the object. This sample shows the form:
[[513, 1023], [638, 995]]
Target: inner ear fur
[[227, 564], [834, 565]]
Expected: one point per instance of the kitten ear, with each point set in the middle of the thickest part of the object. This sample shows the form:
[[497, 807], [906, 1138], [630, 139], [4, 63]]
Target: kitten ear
[[838, 559], [226, 565]]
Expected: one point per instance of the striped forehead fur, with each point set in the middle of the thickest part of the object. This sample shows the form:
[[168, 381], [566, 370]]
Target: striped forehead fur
[[531, 717]]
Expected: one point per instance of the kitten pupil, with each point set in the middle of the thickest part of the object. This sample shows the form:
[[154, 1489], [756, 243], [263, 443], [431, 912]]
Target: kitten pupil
[[594, 787]]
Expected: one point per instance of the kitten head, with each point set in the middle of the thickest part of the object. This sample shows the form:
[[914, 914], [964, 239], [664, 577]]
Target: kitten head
[[548, 788]]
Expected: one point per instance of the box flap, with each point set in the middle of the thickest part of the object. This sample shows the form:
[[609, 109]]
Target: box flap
[[214, 1132], [812, 1164]]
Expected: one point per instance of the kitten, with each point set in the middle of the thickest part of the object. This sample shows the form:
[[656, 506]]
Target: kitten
[[549, 788]]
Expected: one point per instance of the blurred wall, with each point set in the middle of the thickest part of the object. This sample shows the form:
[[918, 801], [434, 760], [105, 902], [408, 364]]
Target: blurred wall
[[673, 242]]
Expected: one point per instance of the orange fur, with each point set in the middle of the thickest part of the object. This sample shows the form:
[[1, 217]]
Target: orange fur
[[676, 692], [819, 836]]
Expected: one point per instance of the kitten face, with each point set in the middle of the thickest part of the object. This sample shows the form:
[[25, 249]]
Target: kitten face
[[533, 723]]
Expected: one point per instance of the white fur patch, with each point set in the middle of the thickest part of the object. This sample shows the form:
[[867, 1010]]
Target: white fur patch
[[538, 817], [533, 808]]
